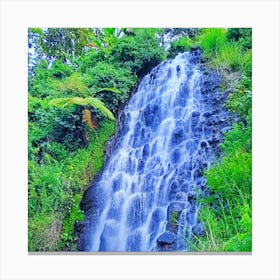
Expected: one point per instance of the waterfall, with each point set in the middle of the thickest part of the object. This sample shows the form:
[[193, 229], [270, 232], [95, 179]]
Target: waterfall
[[145, 197]]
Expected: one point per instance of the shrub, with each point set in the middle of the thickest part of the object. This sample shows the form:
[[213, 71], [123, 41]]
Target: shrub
[[60, 70], [243, 35], [222, 53], [227, 217], [139, 53], [181, 45], [55, 188], [105, 75]]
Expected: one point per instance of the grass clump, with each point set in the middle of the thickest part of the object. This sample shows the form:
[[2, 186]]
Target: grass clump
[[222, 54]]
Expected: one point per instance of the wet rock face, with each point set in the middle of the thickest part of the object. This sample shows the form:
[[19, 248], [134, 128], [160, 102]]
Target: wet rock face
[[145, 197], [198, 229], [166, 238]]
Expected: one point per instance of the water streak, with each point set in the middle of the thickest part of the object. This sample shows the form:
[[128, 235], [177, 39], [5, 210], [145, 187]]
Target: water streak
[[150, 182]]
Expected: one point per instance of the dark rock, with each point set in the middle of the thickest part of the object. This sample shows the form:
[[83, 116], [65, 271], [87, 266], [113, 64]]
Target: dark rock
[[182, 96], [198, 229], [197, 173], [176, 207], [185, 188], [169, 73], [191, 215], [176, 155], [146, 151], [178, 136], [140, 167], [174, 187], [79, 227], [151, 115], [166, 238], [203, 144], [192, 195], [195, 114], [208, 114]]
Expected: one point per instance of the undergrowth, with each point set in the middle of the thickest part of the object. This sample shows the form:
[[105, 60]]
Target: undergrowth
[[227, 212], [56, 190], [78, 81], [65, 151]]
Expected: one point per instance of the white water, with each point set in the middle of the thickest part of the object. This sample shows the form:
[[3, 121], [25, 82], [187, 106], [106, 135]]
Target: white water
[[153, 168]]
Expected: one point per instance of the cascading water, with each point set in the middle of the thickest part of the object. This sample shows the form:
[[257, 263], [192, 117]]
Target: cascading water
[[144, 199]]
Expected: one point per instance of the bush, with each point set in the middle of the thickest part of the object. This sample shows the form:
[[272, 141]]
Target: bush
[[60, 70], [243, 35], [231, 56], [105, 75], [55, 187], [181, 45], [227, 212], [39, 84], [238, 138], [227, 216], [139, 53]]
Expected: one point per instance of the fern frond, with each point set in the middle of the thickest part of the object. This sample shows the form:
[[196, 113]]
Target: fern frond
[[98, 104], [88, 101]]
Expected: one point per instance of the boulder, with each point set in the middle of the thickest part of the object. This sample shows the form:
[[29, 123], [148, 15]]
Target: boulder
[[191, 195], [198, 229], [166, 238]]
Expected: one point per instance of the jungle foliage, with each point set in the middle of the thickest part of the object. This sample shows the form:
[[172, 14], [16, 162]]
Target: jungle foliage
[[80, 78]]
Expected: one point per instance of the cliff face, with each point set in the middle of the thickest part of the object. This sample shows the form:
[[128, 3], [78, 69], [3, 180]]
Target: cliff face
[[168, 135]]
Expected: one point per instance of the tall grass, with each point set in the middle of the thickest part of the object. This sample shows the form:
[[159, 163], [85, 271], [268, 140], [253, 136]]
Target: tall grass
[[218, 50], [211, 40], [221, 53]]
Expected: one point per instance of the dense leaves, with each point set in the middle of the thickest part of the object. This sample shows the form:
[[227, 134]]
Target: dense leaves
[[243, 35], [77, 83], [80, 78], [139, 53]]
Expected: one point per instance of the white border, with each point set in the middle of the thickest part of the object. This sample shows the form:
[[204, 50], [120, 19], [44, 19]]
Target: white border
[[263, 16]]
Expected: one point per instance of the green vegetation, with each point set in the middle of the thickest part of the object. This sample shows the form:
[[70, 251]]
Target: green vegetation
[[227, 212], [181, 45], [79, 78], [55, 189], [174, 218]]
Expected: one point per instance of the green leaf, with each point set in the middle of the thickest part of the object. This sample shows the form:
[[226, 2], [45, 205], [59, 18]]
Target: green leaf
[[89, 101]]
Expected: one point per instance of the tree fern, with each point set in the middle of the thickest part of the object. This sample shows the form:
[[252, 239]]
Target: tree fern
[[88, 101]]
